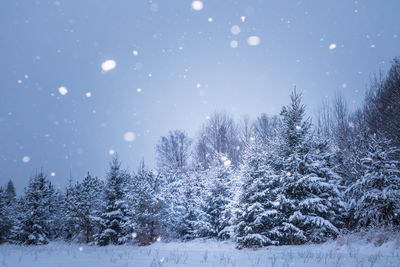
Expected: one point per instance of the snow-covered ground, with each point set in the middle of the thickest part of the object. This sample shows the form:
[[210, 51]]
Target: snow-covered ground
[[202, 253]]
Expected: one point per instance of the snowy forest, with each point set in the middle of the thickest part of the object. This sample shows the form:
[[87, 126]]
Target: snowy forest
[[277, 180]]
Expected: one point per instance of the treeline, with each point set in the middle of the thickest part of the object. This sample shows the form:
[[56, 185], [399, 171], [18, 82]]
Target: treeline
[[273, 181]]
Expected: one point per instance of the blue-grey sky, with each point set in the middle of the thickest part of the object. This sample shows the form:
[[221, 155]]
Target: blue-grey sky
[[188, 63]]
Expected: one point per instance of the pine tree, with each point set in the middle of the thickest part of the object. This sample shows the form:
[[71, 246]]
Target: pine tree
[[71, 227], [5, 222], [378, 190], [258, 216], [89, 194], [114, 220], [215, 216], [82, 209], [147, 205], [10, 192], [36, 219], [307, 196], [178, 197]]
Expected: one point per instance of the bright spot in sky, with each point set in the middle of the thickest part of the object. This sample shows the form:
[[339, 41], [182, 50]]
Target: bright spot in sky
[[135, 52], [26, 76], [53, 174], [227, 162], [253, 40], [80, 248], [372, 46], [19, 81], [62, 90], [108, 65], [243, 18], [197, 5], [129, 136], [88, 94], [26, 159], [344, 85], [234, 44], [332, 46], [198, 85], [111, 152], [210, 19], [139, 90], [235, 29]]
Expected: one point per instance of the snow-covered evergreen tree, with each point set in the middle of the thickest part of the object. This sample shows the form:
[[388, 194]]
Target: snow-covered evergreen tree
[[114, 219], [82, 207], [307, 195], [147, 205], [36, 220], [5, 222], [71, 227], [377, 193], [258, 216], [10, 192], [215, 215], [178, 195]]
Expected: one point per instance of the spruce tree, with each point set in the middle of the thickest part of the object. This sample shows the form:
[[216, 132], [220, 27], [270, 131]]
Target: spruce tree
[[215, 216], [378, 190], [5, 222], [36, 219], [307, 195], [10, 192], [114, 220], [258, 216], [147, 205]]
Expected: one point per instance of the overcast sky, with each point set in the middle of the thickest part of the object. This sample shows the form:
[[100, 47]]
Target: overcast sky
[[168, 64]]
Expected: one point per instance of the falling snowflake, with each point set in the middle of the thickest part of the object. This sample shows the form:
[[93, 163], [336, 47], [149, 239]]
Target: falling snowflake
[[111, 152], [210, 19], [234, 44], [19, 81], [288, 174], [53, 174], [134, 235], [135, 52], [62, 90], [198, 85], [235, 30], [332, 46], [298, 127], [129, 136], [253, 40], [197, 5], [159, 239], [108, 65], [80, 248], [243, 18], [344, 85], [139, 90], [26, 159], [88, 94]]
